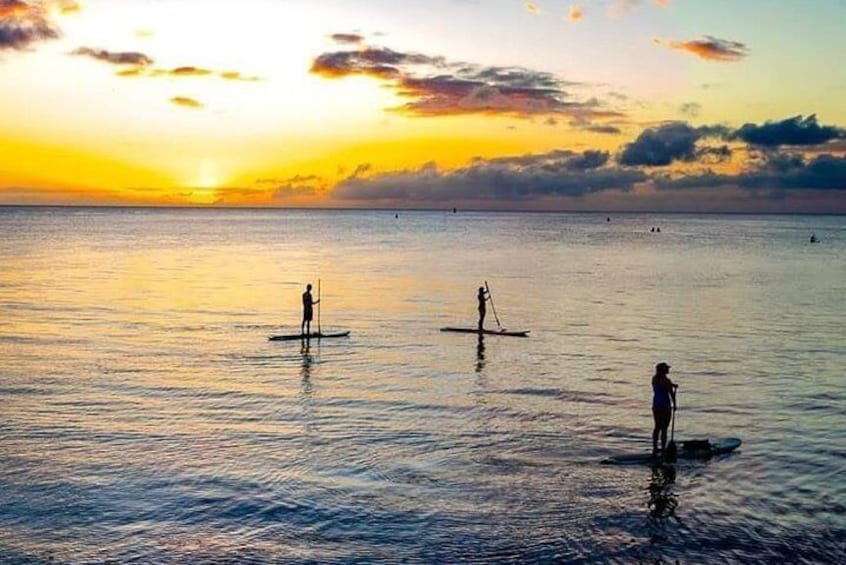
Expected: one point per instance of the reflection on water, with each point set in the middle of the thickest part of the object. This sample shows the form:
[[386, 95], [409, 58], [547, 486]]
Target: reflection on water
[[662, 501], [305, 351], [480, 353], [146, 418]]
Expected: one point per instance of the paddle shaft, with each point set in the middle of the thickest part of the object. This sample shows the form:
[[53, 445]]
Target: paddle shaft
[[318, 306], [673, 424], [490, 297]]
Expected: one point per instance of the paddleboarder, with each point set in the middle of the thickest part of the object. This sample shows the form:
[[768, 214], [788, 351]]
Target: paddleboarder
[[483, 296], [308, 311], [663, 403]]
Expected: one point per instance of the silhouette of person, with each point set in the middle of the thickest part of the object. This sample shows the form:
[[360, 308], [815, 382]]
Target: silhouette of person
[[663, 392], [483, 296], [814, 238], [308, 311]]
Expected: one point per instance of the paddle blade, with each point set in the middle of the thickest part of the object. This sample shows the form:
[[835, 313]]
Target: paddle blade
[[672, 451]]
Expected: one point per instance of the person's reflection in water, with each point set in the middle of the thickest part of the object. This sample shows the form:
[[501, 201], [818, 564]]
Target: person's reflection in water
[[662, 501], [305, 351], [480, 354]]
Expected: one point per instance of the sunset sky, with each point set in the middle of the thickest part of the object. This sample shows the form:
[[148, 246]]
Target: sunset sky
[[684, 105]]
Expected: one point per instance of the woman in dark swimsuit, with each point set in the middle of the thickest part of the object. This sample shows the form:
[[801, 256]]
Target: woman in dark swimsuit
[[663, 403]]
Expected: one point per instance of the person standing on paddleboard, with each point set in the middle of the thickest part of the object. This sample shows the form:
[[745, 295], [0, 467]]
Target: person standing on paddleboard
[[663, 403], [308, 311], [483, 297]]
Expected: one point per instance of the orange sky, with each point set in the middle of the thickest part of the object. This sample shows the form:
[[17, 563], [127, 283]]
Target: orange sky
[[285, 103]]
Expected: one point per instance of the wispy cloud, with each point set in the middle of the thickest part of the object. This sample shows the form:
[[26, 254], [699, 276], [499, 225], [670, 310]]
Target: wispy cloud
[[619, 8], [235, 75], [186, 71], [115, 57], [186, 102], [576, 13], [691, 109], [348, 38], [710, 48]]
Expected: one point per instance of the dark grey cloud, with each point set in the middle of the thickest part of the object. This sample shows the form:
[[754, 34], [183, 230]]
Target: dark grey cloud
[[523, 178], [115, 58], [778, 172], [660, 146], [792, 131], [437, 87], [23, 24]]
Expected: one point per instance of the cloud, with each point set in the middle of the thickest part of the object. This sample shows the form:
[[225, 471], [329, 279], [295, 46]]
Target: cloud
[[235, 75], [188, 71], [184, 72], [115, 58], [792, 131], [605, 129], [23, 24], [558, 173], [297, 185], [437, 87], [372, 61], [576, 13], [673, 141], [779, 172], [69, 7], [532, 7], [353, 38], [186, 102], [710, 48], [620, 8], [691, 109]]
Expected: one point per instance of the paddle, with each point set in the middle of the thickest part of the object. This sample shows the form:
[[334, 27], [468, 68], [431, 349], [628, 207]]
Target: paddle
[[318, 307], [672, 450], [490, 297]]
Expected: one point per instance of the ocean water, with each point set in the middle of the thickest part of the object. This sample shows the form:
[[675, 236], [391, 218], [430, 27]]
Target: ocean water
[[146, 418]]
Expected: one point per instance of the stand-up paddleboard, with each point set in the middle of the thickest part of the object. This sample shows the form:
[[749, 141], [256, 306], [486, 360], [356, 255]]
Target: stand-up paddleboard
[[292, 337], [523, 333], [696, 449]]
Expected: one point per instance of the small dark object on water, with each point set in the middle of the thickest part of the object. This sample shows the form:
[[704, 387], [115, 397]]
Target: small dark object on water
[[814, 238]]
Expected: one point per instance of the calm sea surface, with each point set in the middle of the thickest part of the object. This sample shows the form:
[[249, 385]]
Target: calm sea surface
[[146, 418]]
